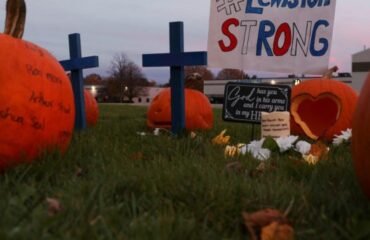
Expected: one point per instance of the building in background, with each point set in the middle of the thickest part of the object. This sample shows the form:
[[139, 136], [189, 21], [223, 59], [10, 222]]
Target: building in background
[[360, 68], [214, 89], [99, 91], [100, 94], [148, 97]]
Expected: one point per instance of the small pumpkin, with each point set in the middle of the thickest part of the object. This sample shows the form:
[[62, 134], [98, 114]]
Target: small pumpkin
[[36, 98], [322, 108], [198, 111], [361, 138], [91, 108]]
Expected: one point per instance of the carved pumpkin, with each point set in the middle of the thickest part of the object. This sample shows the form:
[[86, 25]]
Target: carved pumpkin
[[36, 98], [321, 108], [92, 109], [198, 111], [361, 138]]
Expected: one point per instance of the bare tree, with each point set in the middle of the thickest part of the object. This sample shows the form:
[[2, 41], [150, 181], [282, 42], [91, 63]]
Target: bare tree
[[126, 79], [203, 71], [231, 74], [93, 79]]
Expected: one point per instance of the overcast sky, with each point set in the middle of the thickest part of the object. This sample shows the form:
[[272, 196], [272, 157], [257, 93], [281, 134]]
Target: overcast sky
[[134, 27]]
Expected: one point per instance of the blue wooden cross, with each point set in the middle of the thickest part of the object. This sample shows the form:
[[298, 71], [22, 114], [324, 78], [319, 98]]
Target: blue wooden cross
[[76, 64], [176, 60]]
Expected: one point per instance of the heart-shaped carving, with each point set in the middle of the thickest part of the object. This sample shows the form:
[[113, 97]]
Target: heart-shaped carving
[[316, 115]]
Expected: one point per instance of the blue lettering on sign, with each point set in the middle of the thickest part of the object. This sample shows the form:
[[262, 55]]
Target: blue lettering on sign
[[275, 2], [263, 34], [259, 5], [251, 9], [263, 4], [293, 4], [269, 33], [323, 41]]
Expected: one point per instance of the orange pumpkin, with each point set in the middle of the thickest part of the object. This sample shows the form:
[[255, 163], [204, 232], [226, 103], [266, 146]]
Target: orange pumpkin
[[198, 111], [361, 138], [322, 108], [92, 109], [36, 98]]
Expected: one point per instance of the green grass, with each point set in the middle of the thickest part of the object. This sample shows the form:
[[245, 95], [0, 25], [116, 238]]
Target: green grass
[[115, 184]]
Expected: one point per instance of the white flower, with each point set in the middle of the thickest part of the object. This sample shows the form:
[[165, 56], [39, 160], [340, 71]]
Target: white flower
[[242, 148], [345, 136], [303, 147], [255, 148], [255, 145], [286, 143], [141, 133], [156, 131]]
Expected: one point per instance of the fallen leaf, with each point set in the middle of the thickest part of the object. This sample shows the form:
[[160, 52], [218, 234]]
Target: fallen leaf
[[277, 231], [231, 151], [234, 167], [264, 217], [137, 156], [54, 206], [311, 159], [95, 220], [319, 150], [80, 172], [221, 139], [193, 135], [254, 222], [261, 167]]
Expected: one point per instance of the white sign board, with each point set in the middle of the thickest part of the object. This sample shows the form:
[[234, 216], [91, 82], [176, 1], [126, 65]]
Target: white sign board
[[275, 124], [285, 36]]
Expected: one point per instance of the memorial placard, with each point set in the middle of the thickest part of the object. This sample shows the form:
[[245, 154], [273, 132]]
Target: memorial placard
[[244, 102], [275, 124]]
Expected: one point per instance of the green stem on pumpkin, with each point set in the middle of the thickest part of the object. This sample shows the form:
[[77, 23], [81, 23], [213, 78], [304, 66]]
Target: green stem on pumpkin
[[15, 18]]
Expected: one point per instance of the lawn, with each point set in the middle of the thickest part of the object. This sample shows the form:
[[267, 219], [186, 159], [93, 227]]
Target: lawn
[[114, 183]]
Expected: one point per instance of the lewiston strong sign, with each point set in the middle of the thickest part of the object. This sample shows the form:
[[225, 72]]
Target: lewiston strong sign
[[287, 36]]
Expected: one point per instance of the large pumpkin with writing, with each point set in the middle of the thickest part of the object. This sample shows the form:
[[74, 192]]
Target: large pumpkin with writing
[[361, 138], [322, 108], [198, 111], [36, 99], [92, 109]]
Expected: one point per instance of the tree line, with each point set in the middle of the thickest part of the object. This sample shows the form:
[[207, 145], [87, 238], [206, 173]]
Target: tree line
[[126, 80]]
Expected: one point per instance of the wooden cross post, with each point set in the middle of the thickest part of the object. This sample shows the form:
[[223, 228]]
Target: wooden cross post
[[76, 65], [177, 59]]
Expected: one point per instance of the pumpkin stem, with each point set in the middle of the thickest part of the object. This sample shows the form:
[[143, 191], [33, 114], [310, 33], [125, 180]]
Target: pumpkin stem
[[329, 73], [15, 18], [195, 81]]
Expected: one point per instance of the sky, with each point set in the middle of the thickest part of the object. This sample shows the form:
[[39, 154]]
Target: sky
[[136, 27]]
